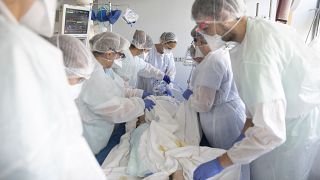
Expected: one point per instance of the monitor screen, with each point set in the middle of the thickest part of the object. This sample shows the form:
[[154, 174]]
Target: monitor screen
[[76, 21]]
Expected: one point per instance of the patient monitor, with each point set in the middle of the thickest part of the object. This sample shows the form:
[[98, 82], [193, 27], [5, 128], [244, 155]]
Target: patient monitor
[[74, 21]]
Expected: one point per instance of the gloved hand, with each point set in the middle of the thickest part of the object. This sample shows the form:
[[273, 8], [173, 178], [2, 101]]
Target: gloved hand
[[145, 94], [148, 104], [167, 79], [187, 93], [207, 170], [239, 138]]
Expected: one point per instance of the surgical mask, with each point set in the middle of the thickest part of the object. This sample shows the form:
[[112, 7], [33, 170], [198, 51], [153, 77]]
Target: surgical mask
[[167, 51], [215, 42], [143, 55], [198, 53], [75, 90], [117, 64], [40, 17]]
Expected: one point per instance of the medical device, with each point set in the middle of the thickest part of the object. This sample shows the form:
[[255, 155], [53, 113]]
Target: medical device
[[74, 21]]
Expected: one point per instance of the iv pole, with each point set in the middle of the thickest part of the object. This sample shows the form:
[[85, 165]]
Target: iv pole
[[110, 25]]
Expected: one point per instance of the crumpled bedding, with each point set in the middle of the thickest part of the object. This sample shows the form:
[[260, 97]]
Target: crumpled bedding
[[167, 142]]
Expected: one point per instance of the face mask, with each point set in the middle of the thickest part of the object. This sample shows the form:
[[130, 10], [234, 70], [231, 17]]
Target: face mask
[[143, 55], [198, 53], [40, 17], [215, 42], [75, 90], [167, 51], [117, 64]]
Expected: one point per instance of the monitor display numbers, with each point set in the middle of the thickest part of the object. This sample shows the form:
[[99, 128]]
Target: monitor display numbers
[[76, 21]]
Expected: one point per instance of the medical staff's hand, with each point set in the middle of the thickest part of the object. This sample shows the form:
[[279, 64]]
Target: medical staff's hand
[[145, 94], [239, 138], [167, 79], [187, 93], [148, 104], [207, 170]]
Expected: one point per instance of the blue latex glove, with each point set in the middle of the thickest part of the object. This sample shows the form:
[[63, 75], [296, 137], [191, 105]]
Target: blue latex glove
[[207, 170], [145, 94], [187, 93], [239, 138], [167, 79], [148, 104]]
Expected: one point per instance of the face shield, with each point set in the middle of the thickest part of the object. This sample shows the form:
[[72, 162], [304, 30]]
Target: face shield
[[168, 47], [217, 17], [196, 53], [215, 33]]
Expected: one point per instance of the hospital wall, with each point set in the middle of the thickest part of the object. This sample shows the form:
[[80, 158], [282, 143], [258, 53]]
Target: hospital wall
[[157, 16]]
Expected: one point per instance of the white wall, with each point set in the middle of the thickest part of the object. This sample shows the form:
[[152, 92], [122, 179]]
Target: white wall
[[303, 16], [263, 10], [158, 16]]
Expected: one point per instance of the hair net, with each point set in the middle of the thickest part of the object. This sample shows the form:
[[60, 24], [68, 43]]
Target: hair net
[[139, 39], [198, 36], [78, 60], [168, 37], [149, 42], [217, 10], [108, 41]]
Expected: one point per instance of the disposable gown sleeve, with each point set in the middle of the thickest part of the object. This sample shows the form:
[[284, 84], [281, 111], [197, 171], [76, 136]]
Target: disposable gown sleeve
[[207, 82], [263, 94], [132, 92], [150, 71], [268, 132], [120, 109], [171, 69], [99, 99], [202, 99]]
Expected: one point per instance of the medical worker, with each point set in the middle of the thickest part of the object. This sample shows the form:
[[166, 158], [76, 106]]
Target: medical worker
[[78, 61], [40, 130], [161, 57], [103, 100], [215, 96], [278, 79], [147, 47], [132, 65]]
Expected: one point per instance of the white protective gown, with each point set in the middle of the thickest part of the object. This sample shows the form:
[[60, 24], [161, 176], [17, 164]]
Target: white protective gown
[[215, 97], [315, 171], [134, 65], [278, 79], [102, 103], [163, 62], [128, 91], [40, 128]]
